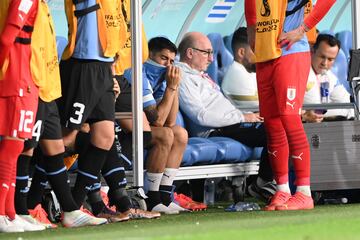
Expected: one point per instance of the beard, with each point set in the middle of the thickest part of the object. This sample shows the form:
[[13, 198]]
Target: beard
[[250, 67]]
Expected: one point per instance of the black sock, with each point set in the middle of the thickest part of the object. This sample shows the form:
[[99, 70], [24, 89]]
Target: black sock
[[113, 170], [90, 164], [82, 142], [38, 184], [96, 202], [265, 170], [120, 199], [114, 173], [153, 199], [165, 194], [59, 181], [21, 189]]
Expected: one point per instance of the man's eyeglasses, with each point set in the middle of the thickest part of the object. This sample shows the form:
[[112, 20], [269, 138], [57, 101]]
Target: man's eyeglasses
[[204, 52]]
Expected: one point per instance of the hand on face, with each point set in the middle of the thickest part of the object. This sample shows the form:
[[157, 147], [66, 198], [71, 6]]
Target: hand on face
[[172, 76]]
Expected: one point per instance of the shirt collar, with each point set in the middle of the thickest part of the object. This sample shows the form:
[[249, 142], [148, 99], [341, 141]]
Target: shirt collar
[[152, 62], [186, 68]]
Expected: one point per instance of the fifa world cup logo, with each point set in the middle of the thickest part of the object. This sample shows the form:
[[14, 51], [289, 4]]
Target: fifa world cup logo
[[265, 9]]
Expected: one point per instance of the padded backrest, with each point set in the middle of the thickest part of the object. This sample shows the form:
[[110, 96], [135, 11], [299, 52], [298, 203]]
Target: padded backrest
[[61, 43], [345, 37], [328, 31], [340, 69], [227, 41], [222, 58]]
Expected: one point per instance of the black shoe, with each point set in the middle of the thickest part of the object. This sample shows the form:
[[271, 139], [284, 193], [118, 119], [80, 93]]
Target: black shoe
[[263, 193]]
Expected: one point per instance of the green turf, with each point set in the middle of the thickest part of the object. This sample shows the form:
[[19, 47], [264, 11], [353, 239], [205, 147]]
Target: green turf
[[324, 222]]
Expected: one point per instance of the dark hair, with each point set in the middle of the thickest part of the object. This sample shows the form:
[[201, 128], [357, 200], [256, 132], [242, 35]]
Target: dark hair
[[157, 44], [239, 39], [327, 38]]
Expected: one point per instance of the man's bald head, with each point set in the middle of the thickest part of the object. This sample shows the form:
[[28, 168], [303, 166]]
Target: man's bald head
[[195, 49]]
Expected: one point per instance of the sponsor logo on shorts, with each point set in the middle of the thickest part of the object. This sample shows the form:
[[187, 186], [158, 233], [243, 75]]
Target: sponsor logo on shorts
[[297, 157], [272, 153], [292, 105]]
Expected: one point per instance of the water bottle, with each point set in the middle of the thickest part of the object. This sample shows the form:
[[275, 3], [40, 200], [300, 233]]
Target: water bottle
[[209, 191], [342, 200], [324, 87], [243, 206]]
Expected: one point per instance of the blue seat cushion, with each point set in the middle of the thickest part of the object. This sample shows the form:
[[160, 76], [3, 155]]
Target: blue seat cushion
[[199, 151], [215, 150], [231, 151], [256, 153], [187, 158]]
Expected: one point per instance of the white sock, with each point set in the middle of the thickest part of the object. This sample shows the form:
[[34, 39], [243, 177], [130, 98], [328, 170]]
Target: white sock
[[168, 176], [283, 187], [304, 189], [153, 181]]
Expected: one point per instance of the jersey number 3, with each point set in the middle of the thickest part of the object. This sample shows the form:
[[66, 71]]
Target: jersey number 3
[[79, 113]]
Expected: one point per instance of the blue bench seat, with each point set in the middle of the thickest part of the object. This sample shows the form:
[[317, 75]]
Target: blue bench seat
[[215, 150]]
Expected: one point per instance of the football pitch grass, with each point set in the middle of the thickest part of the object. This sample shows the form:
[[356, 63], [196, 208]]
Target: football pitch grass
[[324, 222]]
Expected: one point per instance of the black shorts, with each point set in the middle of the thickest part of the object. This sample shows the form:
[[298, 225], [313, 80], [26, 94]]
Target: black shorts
[[88, 95], [47, 125], [123, 102]]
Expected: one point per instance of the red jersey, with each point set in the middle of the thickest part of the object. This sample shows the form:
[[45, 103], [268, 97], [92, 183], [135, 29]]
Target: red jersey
[[16, 35]]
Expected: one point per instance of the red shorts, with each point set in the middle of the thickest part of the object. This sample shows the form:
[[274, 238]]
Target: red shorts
[[282, 84], [17, 115]]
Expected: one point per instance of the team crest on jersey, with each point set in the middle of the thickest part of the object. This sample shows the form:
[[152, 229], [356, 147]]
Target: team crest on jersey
[[291, 93]]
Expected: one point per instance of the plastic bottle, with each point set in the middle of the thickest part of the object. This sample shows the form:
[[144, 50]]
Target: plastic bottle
[[324, 87], [243, 206], [342, 200], [209, 191]]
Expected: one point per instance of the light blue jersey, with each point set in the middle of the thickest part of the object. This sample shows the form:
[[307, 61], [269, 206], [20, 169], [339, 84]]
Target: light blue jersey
[[155, 74], [87, 37], [154, 83], [292, 22]]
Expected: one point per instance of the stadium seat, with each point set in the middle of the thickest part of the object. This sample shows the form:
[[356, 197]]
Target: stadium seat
[[203, 151], [231, 151], [199, 150], [222, 58], [340, 69], [328, 31], [345, 37], [61, 43], [215, 150], [227, 41], [256, 153]]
